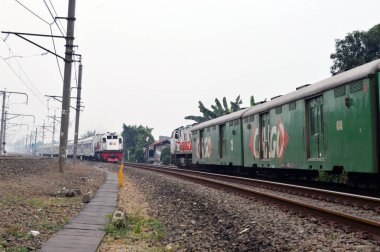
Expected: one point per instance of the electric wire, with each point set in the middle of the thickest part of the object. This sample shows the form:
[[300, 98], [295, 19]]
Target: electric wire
[[54, 20], [50, 27], [55, 51], [32, 12], [56, 14], [34, 92]]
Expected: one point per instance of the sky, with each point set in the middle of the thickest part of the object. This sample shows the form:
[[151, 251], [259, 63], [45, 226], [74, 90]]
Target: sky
[[149, 62]]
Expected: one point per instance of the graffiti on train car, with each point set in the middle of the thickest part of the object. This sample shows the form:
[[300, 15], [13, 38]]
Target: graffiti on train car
[[278, 141]]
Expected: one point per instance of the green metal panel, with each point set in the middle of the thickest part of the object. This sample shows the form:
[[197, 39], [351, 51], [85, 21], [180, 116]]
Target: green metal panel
[[315, 127], [233, 144], [350, 132], [343, 132]]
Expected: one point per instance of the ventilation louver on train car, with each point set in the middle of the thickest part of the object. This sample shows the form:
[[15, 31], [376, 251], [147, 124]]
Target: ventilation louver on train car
[[303, 86], [275, 97]]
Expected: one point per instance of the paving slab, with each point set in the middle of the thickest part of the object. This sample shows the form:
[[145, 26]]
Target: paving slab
[[85, 232]]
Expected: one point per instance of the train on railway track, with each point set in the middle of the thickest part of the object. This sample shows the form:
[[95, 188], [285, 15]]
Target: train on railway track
[[330, 128], [106, 147]]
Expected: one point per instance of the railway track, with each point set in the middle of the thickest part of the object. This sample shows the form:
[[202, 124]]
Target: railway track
[[246, 188]]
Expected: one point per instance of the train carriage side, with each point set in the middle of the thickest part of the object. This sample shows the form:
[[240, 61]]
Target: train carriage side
[[329, 126], [218, 142]]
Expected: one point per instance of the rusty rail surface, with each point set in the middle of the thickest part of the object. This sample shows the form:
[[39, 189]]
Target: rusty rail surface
[[341, 220]]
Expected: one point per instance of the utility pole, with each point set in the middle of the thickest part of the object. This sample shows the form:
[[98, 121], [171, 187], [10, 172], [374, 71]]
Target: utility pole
[[35, 143], [66, 86], [3, 119], [2, 124], [5, 127], [79, 88], [52, 140], [43, 133]]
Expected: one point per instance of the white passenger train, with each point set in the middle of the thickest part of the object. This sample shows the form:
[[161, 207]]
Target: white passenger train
[[102, 147]]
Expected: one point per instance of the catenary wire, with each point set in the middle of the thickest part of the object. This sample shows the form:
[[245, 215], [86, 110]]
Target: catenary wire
[[56, 14], [32, 12], [55, 51], [54, 20]]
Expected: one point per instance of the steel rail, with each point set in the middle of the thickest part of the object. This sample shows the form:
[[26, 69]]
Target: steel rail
[[346, 221], [364, 202]]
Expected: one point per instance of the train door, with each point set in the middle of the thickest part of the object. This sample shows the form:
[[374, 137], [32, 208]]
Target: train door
[[201, 144], [222, 141], [315, 127], [264, 135]]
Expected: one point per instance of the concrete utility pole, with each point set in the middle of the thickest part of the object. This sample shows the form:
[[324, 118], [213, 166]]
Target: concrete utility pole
[[3, 119], [5, 128], [79, 88], [35, 144], [43, 133], [52, 139], [66, 87], [2, 124]]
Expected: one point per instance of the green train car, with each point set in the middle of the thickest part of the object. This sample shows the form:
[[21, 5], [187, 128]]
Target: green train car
[[330, 126]]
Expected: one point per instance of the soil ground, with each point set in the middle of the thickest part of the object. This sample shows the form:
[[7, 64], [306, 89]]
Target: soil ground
[[37, 202]]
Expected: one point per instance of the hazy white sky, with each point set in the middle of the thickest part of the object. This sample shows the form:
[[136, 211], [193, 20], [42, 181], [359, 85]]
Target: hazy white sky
[[149, 62]]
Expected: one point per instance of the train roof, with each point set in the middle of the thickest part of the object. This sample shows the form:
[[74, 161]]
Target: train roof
[[220, 120], [357, 73]]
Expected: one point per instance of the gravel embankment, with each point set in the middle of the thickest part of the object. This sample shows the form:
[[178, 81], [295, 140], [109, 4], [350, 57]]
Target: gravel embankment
[[35, 200], [199, 218]]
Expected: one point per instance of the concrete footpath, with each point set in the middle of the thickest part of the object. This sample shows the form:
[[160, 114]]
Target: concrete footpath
[[85, 232]]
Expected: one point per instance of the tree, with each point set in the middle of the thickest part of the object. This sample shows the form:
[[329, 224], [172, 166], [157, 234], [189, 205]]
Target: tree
[[88, 133], [218, 109], [357, 48], [165, 156], [135, 137]]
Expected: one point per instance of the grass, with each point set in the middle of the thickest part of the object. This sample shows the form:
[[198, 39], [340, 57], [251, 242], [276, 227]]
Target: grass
[[137, 228], [326, 176]]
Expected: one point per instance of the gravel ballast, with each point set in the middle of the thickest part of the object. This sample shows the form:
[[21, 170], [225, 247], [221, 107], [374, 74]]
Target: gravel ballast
[[199, 218]]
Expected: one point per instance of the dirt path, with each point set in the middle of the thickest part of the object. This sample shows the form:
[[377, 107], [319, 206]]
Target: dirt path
[[37, 202]]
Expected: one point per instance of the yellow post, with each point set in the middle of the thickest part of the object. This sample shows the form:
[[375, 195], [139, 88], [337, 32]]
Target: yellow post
[[121, 175]]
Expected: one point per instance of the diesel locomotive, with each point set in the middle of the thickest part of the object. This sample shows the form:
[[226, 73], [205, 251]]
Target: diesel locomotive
[[101, 147], [329, 127]]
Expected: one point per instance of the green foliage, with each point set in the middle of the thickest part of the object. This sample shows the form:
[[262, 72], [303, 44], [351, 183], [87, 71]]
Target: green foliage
[[219, 109], [89, 133], [357, 48], [326, 176], [135, 137], [165, 156], [137, 227]]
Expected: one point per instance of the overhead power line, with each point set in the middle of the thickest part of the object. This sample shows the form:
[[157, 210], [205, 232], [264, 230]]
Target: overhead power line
[[35, 92], [43, 20], [56, 14], [54, 19]]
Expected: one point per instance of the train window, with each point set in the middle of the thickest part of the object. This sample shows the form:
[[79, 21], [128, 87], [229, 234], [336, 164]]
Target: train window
[[245, 119], [231, 123], [292, 105], [340, 91], [114, 137], [104, 140], [109, 137], [279, 110], [120, 140], [176, 135], [356, 87], [236, 122], [214, 127], [251, 118]]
